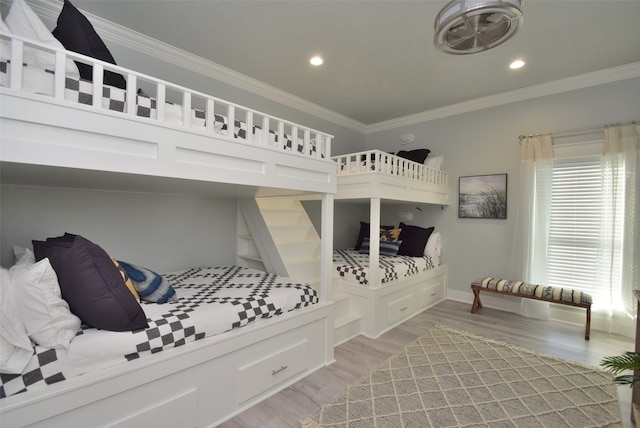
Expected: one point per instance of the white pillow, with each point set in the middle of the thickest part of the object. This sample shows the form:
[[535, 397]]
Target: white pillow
[[15, 347], [23, 255], [46, 316], [434, 162], [24, 22], [434, 245]]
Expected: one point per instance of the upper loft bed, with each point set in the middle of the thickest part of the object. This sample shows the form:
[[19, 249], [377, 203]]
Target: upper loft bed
[[59, 129], [377, 174]]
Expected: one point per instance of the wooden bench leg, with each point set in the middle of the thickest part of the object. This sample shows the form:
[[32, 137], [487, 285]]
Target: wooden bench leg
[[588, 324], [476, 301]]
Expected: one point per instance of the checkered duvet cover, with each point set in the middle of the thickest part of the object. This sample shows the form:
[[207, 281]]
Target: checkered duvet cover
[[212, 300], [40, 81], [353, 267]]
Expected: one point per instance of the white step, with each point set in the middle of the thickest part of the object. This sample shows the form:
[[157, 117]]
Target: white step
[[293, 249], [346, 328], [284, 217], [291, 233]]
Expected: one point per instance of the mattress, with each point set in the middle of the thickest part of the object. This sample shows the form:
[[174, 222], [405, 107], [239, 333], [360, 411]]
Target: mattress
[[353, 267], [211, 300]]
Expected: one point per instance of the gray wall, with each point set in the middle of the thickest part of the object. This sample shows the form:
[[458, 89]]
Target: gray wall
[[486, 142], [161, 232]]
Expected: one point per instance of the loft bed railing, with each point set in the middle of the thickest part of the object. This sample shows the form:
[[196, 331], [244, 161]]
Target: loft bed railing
[[221, 118], [376, 161]]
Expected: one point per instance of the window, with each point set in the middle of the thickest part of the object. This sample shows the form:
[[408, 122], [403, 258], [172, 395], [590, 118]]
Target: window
[[575, 255]]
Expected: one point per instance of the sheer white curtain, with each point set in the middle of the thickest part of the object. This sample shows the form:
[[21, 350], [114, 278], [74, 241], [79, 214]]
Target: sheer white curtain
[[619, 246], [529, 247]]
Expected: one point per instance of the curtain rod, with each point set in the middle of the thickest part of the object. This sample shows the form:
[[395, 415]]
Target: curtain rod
[[577, 131]]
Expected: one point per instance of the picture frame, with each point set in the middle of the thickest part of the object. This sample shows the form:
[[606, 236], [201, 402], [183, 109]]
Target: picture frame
[[483, 196]]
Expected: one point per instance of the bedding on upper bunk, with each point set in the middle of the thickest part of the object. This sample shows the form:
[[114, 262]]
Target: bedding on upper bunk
[[211, 300]]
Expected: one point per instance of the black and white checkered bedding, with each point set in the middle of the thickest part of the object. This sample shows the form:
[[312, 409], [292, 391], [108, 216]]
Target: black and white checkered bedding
[[212, 300], [353, 267], [81, 91]]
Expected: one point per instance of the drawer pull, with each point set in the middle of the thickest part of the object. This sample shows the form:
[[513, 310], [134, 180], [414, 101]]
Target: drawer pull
[[434, 294], [275, 372], [403, 309]]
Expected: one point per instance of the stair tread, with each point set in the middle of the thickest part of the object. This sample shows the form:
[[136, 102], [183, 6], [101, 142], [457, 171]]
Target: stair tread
[[339, 295], [301, 261], [346, 319], [299, 242]]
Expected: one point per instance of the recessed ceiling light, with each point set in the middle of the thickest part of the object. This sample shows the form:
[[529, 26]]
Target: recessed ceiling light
[[516, 64], [316, 60]]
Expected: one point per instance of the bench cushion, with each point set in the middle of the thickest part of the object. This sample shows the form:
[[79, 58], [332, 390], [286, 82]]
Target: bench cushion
[[558, 294]]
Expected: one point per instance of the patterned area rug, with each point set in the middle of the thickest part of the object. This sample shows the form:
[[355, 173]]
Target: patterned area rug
[[452, 378]]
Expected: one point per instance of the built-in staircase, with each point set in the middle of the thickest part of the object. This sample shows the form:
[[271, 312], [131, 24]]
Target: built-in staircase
[[275, 234]]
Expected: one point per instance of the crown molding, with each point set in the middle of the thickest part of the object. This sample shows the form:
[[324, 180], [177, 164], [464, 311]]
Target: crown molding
[[595, 78], [128, 38]]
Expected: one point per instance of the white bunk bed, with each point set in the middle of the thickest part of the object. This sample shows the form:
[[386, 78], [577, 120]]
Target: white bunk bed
[[51, 140], [377, 176]]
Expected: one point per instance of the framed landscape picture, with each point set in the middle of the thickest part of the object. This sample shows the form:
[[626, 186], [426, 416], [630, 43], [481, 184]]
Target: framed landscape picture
[[483, 196]]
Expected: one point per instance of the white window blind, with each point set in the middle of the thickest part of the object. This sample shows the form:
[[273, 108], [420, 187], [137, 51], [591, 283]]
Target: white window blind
[[575, 227]]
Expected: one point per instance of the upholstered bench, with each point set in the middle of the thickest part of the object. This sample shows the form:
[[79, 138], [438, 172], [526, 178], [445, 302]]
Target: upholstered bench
[[563, 296]]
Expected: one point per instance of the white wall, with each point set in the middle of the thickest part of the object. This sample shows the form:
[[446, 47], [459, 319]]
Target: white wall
[[161, 232], [486, 142]]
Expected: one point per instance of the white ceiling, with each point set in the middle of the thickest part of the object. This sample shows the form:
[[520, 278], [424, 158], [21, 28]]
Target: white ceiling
[[380, 61]]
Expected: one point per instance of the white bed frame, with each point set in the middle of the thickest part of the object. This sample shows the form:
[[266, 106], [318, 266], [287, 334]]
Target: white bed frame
[[49, 141], [383, 306]]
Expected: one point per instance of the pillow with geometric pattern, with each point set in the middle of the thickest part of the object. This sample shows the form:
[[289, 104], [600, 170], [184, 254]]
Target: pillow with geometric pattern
[[364, 233], [151, 287], [390, 234], [387, 248]]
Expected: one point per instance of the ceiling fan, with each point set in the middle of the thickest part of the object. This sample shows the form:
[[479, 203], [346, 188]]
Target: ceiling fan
[[470, 26]]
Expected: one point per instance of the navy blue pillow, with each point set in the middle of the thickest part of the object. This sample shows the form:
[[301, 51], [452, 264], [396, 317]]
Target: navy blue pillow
[[76, 34], [414, 239], [91, 283], [417, 155]]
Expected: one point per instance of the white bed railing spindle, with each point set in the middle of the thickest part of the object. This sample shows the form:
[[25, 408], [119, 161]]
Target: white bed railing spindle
[[132, 96], [16, 68], [249, 121], [294, 140], [210, 116], [265, 131], [186, 109], [280, 134], [60, 75], [161, 99], [231, 127], [98, 75]]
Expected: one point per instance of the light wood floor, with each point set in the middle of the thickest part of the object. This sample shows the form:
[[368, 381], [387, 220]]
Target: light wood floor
[[359, 355]]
